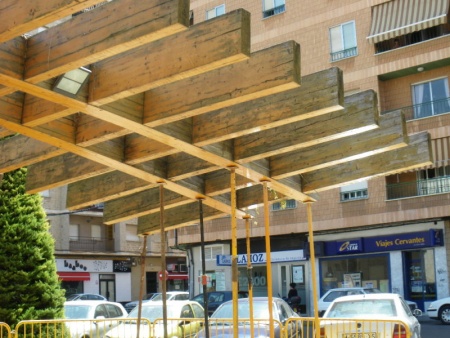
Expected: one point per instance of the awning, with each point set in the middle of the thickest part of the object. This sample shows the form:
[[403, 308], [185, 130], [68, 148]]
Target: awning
[[177, 276], [441, 152], [400, 17], [74, 276]]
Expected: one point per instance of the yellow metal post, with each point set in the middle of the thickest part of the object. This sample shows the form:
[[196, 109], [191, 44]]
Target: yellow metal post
[[249, 274], [141, 286], [163, 256], [268, 257], [234, 269], [313, 268]]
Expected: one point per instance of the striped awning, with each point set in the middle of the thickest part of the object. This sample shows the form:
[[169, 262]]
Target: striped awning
[[400, 17], [441, 151]]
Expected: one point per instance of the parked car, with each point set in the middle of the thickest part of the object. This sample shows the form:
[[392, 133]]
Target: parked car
[[377, 314], [172, 295], [215, 298], [131, 305], [332, 294], [440, 310], [86, 311], [85, 296], [153, 310], [220, 322]]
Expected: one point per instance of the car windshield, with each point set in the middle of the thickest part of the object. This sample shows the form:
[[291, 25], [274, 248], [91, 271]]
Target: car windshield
[[362, 308], [260, 310], [76, 311], [372, 290], [72, 297], [155, 311]]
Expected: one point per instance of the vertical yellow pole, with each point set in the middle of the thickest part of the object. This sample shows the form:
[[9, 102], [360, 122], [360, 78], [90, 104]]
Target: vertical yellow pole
[[249, 274], [163, 256], [268, 257], [313, 267], [234, 269], [141, 286]]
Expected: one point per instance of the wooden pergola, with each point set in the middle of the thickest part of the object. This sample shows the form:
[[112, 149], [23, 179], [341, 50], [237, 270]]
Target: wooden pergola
[[179, 105], [180, 108]]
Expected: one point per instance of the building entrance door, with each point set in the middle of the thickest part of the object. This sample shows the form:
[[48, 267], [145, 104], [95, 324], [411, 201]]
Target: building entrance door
[[108, 287]]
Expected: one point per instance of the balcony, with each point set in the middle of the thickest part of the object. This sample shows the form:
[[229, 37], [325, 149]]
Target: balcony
[[426, 109], [344, 54], [91, 244], [432, 186]]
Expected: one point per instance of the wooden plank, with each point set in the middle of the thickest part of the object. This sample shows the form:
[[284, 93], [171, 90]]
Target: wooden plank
[[320, 93], [103, 188], [108, 30], [268, 71], [360, 114], [203, 47], [390, 135], [416, 155], [12, 54], [19, 151], [140, 204], [177, 217], [22, 16]]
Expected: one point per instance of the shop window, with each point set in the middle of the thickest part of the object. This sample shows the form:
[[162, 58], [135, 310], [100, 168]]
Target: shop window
[[273, 7], [216, 11], [343, 41], [364, 271]]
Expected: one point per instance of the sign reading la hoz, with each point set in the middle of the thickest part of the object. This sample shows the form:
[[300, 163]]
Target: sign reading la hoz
[[261, 258]]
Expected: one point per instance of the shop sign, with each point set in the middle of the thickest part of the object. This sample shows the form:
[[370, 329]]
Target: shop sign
[[349, 247], [261, 258], [413, 240]]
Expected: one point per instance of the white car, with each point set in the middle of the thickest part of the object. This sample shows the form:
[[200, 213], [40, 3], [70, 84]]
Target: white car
[[89, 318], [332, 294], [440, 309], [171, 295], [370, 315], [184, 319]]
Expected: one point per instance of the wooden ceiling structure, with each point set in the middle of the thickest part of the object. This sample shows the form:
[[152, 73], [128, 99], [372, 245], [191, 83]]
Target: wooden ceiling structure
[[179, 105]]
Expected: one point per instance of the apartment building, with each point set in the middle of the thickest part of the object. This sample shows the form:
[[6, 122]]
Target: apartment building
[[387, 232], [92, 257]]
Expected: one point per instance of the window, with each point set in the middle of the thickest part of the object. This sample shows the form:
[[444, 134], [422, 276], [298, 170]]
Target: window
[[286, 204], [431, 98], [272, 7], [96, 231], [212, 251], [74, 232], [216, 11], [343, 41], [132, 233], [354, 191]]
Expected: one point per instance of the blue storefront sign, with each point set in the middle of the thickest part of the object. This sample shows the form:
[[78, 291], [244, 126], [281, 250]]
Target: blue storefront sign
[[404, 241], [261, 257]]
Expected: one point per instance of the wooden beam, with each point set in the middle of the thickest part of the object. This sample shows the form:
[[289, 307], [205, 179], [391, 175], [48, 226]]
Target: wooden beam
[[360, 114], [267, 71], [111, 29], [181, 216], [390, 135], [203, 47], [416, 155], [320, 93], [22, 16]]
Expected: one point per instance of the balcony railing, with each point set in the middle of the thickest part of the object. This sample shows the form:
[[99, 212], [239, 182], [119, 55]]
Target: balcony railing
[[343, 54], [426, 109], [91, 244], [432, 186]]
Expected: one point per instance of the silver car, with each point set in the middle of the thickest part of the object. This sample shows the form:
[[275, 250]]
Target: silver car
[[370, 315], [92, 318]]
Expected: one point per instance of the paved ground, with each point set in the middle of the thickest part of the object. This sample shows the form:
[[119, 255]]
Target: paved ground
[[433, 328]]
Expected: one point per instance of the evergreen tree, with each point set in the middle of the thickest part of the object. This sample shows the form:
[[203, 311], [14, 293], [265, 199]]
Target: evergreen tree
[[29, 285]]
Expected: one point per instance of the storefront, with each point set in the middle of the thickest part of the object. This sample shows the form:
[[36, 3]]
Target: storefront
[[407, 263], [110, 278]]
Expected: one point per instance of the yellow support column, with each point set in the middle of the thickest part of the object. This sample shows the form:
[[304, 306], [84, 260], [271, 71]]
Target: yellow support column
[[249, 274], [234, 269]]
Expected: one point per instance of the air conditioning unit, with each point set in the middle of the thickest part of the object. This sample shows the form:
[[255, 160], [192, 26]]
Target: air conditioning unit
[[183, 268]]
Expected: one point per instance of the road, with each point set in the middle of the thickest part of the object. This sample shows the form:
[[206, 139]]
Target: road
[[433, 328]]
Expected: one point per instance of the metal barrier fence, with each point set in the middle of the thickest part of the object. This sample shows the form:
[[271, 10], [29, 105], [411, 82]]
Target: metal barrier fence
[[304, 327]]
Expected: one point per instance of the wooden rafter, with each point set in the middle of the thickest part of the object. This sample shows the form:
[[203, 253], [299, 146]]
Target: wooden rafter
[[178, 105]]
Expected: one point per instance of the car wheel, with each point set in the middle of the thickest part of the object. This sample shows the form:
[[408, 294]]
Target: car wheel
[[444, 314]]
